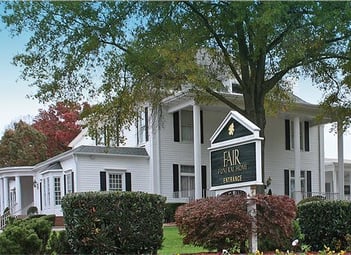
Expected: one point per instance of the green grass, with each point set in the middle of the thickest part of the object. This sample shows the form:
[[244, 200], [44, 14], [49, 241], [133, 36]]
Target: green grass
[[173, 243]]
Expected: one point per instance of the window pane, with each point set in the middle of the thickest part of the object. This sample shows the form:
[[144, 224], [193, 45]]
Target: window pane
[[115, 182], [187, 169], [187, 125], [57, 183]]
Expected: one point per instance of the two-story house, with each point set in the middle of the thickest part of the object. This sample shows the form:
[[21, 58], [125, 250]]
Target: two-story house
[[168, 154]]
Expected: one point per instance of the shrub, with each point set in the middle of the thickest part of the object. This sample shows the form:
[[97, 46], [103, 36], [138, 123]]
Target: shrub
[[114, 222], [223, 222], [58, 243], [170, 211], [325, 223], [214, 223], [311, 199], [275, 217], [28, 236], [32, 210]]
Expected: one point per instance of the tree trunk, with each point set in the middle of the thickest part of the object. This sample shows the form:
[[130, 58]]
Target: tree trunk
[[255, 112]]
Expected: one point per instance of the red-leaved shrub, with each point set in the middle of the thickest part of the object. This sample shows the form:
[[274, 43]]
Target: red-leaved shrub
[[223, 222], [214, 223]]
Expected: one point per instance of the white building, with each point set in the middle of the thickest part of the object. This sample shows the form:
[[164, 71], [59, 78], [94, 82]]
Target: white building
[[168, 154]]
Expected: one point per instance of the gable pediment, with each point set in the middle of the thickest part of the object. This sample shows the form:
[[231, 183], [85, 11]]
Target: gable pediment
[[234, 126]]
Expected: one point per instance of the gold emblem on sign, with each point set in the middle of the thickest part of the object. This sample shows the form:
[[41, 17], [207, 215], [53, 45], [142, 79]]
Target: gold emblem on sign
[[231, 129]]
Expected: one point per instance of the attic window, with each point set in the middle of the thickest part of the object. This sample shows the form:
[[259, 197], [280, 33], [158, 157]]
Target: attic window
[[236, 88]]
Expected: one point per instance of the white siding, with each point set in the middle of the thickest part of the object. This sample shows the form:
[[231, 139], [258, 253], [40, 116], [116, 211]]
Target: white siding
[[183, 153], [90, 167], [277, 158]]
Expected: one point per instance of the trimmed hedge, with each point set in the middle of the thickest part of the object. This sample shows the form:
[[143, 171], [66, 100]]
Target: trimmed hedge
[[114, 222], [325, 223]]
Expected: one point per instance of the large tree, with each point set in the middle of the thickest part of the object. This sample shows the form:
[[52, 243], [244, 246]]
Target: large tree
[[59, 123], [148, 50], [22, 146]]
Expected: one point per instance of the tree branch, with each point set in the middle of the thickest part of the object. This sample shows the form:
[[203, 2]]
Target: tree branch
[[218, 40]]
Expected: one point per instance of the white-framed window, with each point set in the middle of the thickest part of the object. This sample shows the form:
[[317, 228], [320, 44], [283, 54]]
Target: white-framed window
[[115, 181], [290, 183], [290, 134], [57, 190], [46, 191], [186, 126], [187, 181], [69, 183]]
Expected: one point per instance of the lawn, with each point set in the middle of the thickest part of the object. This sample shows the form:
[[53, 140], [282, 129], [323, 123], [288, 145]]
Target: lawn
[[173, 243]]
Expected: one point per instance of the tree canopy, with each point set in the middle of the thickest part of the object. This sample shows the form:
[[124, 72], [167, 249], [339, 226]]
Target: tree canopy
[[59, 123], [145, 51], [22, 146]]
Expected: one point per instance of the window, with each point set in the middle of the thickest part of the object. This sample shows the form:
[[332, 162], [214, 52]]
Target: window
[[290, 183], [186, 126], [304, 135], [187, 181], [115, 182], [46, 193], [69, 183], [57, 190], [142, 126]]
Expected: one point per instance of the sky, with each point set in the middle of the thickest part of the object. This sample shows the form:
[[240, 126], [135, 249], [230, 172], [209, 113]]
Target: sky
[[15, 104]]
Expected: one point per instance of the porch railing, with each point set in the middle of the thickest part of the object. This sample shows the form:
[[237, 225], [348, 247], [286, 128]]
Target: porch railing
[[190, 194], [3, 219], [323, 195]]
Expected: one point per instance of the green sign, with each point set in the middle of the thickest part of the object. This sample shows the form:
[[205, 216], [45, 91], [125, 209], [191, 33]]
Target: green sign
[[233, 165], [232, 130]]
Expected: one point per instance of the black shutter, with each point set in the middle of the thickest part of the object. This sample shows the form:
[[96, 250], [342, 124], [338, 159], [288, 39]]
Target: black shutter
[[146, 124], [102, 181], [307, 136], [128, 182], [286, 182], [309, 183], [203, 181], [175, 178], [72, 182], [65, 184], [202, 126], [176, 126], [287, 134]]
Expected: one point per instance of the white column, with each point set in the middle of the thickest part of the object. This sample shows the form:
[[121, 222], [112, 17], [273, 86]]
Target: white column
[[321, 159], [197, 150], [6, 192], [341, 169], [18, 195], [297, 151], [2, 207], [335, 184]]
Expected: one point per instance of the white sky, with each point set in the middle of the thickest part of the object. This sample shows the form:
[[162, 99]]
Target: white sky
[[15, 105]]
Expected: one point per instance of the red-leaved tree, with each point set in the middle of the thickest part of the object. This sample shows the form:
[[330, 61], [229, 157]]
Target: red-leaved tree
[[59, 124]]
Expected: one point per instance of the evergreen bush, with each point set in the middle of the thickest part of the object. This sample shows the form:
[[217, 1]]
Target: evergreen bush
[[58, 243], [114, 222], [325, 223], [27, 236]]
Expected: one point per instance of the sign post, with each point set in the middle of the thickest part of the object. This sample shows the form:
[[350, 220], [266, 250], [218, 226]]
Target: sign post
[[236, 162]]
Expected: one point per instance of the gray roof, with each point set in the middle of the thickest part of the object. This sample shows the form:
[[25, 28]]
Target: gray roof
[[123, 151], [56, 165]]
